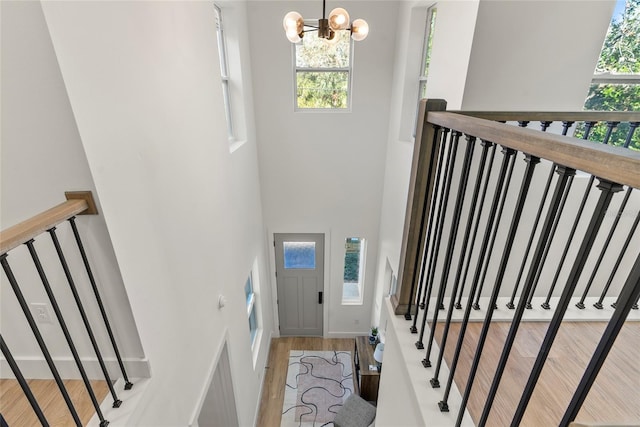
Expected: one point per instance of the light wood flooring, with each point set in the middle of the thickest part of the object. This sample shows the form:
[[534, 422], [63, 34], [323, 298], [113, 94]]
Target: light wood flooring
[[614, 396], [17, 411], [276, 372]]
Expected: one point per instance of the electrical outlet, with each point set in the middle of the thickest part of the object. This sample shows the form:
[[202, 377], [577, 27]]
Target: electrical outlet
[[41, 312]]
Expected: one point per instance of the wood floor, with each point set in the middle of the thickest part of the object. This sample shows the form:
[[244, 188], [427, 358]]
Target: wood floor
[[276, 372], [614, 396], [17, 411]]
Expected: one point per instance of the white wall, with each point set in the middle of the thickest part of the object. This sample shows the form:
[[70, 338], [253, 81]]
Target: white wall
[[184, 213], [42, 157], [323, 171], [451, 48], [535, 55]]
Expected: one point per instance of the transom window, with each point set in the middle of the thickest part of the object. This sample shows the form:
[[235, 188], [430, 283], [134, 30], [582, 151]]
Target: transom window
[[323, 71]]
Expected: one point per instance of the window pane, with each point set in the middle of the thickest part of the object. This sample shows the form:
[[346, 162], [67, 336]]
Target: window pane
[[431, 28], [353, 270], [621, 50], [253, 324], [313, 52], [322, 89], [299, 255], [248, 289]]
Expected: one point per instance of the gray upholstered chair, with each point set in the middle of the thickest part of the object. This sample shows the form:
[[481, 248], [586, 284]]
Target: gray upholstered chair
[[356, 412]]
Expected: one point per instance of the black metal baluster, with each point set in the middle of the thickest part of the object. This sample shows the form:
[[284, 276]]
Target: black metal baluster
[[585, 196], [457, 211], [23, 383], [474, 234], [65, 331], [36, 332], [548, 246], [502, 268], [536, 221], [487, 259], [423, 218], [435, 244], [610, 127], [430, 226], [565, 126], [632, 128], [443, 404], [563, 175], [85, 320], [630, 293], [544, 125], [598, 304], [608, 189], [614, 225], [435, 383], [72, 221]]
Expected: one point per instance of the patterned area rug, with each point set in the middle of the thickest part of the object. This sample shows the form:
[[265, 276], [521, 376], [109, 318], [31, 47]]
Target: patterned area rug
[[318, 382]]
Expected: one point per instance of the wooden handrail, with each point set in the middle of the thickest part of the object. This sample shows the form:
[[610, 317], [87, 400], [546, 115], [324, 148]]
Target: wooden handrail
[[615, 164], [21, 233], [555, 116]]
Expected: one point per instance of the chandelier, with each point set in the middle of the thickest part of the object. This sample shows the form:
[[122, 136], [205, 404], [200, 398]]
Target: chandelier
[[295, 26]]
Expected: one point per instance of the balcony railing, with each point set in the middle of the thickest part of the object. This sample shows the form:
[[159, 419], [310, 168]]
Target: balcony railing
[[25, 233], [515, 223]]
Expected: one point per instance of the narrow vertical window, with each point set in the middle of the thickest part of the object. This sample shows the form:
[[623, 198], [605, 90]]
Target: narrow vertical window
[[323, 71], [354, 256], [224, 71], [426, 51], [251, 308]]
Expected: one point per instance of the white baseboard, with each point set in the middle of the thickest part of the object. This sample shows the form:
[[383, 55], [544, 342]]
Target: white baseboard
[[37, 368]]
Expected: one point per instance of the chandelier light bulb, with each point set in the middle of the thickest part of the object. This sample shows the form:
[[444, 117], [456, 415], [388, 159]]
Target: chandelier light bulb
[[293, 21], [293, 36], [359, 29], [339, 19]]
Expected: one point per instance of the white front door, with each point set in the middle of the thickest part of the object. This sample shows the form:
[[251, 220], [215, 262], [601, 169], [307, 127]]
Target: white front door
[[300, 282]]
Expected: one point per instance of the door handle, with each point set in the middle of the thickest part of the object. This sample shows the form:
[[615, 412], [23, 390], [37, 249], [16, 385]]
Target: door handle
[[320, 297]]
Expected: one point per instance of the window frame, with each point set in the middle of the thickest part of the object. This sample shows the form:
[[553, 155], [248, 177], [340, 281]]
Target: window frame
[[224, 71], [432, 15], [348, 70], [359, 300], [251, 306]]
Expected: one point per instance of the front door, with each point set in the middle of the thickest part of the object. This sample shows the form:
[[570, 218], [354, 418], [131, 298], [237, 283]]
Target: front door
[[300, 281]]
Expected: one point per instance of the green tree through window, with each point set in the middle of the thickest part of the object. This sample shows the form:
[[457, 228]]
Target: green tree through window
[[323, 71], [620, 56]]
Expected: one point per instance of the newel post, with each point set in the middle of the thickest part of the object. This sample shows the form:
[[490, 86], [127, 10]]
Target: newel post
[[421, 183]]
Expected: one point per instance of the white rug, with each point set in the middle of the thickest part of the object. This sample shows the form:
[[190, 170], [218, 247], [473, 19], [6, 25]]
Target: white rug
[[318, 382]]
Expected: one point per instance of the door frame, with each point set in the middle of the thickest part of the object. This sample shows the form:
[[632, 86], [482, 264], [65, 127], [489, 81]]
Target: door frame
[[272, 271]]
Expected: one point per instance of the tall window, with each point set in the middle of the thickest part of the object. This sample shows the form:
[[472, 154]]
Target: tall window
[[354, 256], [251, 308], [616, 82], [224, 71], [426, 51], [323, 71]]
